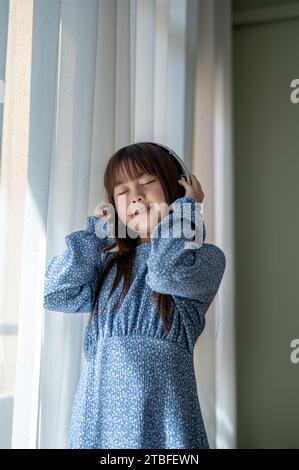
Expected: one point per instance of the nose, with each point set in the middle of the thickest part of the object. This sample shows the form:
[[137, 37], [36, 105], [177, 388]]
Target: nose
[[138, 194], [139, 199]]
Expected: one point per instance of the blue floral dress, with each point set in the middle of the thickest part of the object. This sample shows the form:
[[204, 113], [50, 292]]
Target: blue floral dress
[[138, 387]]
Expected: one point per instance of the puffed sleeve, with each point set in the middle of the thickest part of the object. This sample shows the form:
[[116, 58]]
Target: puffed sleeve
[[179, 264], [71, 278]]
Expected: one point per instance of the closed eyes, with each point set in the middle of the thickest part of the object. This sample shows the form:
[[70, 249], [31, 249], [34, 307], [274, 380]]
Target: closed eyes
[[123, 192]]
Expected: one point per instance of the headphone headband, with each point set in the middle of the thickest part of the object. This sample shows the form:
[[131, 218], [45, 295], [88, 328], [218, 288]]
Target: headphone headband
[[185, 173]]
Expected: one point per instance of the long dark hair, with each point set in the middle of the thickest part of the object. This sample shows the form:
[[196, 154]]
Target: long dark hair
[[130, 160]]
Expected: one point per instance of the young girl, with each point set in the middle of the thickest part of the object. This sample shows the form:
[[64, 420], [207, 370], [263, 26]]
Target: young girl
[[147, 296]]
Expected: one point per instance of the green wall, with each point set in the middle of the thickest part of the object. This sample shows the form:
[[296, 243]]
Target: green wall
[[239, 5], [266, 141]]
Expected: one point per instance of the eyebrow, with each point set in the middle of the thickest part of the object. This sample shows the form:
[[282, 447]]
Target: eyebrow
[[123, 181]]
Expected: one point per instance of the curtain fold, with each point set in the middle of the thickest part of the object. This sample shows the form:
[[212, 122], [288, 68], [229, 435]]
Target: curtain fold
[[213, 163], [69, 193]]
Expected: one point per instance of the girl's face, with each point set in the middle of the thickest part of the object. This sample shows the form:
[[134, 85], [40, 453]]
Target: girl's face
[[140, 203]]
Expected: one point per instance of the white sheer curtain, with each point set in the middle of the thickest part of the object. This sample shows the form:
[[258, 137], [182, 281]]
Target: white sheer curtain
[[213, 163], [115, 72]]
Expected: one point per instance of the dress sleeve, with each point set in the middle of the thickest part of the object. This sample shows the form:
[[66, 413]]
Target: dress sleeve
[[71, 278], [176, 264]]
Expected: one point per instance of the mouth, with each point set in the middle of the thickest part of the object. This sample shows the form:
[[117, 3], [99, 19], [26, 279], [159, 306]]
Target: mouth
[[141, 211]]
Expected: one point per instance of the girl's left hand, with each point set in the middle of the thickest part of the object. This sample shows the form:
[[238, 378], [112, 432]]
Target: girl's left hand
[[195, 191]]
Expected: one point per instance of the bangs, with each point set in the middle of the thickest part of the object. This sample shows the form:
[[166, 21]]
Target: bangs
[[129, 169]]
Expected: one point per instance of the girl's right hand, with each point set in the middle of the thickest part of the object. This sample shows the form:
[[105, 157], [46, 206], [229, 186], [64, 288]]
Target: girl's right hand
[[105, 211]]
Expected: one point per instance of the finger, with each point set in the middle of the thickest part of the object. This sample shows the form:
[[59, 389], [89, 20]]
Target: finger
[[195, 181], [98, 209], [195, 178]]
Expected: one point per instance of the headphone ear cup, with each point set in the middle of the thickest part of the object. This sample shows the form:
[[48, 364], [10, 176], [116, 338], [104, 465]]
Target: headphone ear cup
[[182, 177]]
